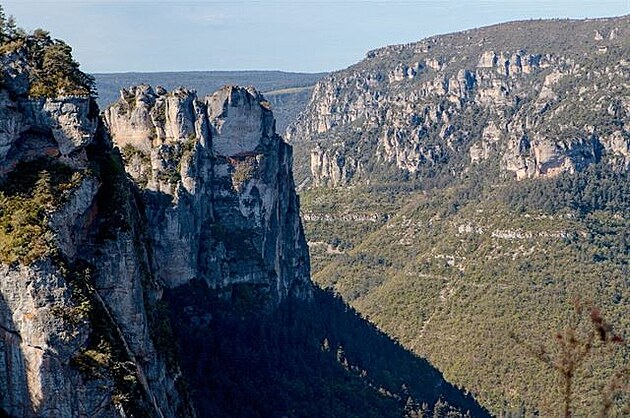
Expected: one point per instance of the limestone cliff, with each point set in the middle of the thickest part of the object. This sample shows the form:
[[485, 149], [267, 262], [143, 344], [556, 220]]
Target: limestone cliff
[[87, 255], [76, 340], [218, 188], [533, 99]]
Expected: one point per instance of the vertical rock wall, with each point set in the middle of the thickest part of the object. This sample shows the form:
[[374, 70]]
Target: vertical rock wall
[[83, 328], [218, 188]]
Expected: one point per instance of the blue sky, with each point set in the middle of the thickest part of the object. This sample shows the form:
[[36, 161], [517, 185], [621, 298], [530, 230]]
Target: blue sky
[[291, 35]]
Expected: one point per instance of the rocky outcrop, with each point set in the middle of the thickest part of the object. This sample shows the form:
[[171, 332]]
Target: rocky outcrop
[[332, 170], [84, 330], [498, 95], [60, 127], [32, 128], [75, 339], [37, 346], [227, 177]]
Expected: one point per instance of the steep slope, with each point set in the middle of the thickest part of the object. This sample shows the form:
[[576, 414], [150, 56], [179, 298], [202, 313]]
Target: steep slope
[[76, 339], [150, 279], [247, 256], [534, 98], [467, 187]]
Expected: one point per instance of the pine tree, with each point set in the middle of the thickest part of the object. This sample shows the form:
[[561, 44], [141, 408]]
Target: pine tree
[[3, 21], [56, 72], [11, 30]]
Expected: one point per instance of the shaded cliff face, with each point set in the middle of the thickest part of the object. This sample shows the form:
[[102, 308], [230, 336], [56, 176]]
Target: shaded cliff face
[[533, 99], [218, 188]]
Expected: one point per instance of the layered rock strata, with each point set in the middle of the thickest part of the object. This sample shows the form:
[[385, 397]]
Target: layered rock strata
[[529, 107]]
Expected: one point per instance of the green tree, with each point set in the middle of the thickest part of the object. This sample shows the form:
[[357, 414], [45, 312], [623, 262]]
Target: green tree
[[3, 22], [9, 31], [56, 72]]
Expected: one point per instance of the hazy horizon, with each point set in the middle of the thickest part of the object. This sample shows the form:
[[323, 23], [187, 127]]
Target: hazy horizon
[[313, 36]]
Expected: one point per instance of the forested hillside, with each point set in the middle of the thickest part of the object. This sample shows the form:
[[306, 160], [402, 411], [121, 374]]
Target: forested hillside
[[463, 191]]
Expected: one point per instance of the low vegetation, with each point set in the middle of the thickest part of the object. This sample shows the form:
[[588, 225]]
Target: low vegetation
[[54, 72], [243, 170], [27, 197]]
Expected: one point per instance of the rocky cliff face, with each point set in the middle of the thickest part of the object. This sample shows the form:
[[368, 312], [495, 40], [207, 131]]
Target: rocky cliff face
[[31, 128], [87, 255], [533, 99], [76, 340], [218, 188]]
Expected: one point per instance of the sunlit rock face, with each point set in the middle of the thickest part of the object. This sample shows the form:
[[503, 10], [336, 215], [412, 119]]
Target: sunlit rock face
[[232, 215], [513, 102], [82, 326]]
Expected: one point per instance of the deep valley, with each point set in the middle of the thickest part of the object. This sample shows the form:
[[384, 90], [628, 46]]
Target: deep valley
[[439, 230]]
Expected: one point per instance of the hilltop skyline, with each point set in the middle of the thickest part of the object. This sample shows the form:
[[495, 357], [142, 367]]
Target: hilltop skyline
[[303, 35]]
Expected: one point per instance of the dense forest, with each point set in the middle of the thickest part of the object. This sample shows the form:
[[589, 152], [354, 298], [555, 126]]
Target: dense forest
[[454, 273]]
